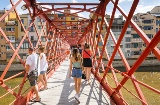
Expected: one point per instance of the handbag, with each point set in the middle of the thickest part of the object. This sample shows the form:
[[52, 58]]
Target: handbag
[[83, 76]]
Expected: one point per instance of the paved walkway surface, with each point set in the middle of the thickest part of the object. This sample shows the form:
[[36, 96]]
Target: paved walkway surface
[[61, 90]]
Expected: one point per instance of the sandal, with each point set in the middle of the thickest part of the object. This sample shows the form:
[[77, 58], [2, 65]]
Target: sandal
[[36, 100]]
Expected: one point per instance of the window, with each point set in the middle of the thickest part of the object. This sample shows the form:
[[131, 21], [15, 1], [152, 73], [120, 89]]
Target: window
[[8, 48], [147, 21], [100, 43], [39, 27], [26, 45], [149, 36], [51, 33], [156, 29], [43, 39], [72, 18], [135, 36], [16, 45], [147, 27], [144, 45], [136, 53], [22, 28], [38, 20], [10, 29], [135, 45], [31, 29], [22, 46], [34, 44], [43, 20], [128, 45], [30, 21], [128, 32], [2, 37], [128, 50], [32, 37], [128, 39], [99, 20], [22, 20]]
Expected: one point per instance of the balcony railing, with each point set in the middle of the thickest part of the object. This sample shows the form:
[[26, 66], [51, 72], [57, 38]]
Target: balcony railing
[[11, 23]]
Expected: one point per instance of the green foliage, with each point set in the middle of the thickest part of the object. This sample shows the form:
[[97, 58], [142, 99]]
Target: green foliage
[[12, 84]]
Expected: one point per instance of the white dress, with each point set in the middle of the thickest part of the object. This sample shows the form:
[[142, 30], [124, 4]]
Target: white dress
[[43, 63]]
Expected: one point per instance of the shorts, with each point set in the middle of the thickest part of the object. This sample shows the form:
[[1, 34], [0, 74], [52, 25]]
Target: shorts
[[32, 79], [42, 72], [87, 62], [77, 73]]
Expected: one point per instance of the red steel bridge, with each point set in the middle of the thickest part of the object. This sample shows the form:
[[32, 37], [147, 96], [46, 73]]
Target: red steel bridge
[[57, 50]]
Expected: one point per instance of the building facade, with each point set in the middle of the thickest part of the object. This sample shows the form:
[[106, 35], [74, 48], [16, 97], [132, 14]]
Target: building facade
[[150, 24], [10, 27]]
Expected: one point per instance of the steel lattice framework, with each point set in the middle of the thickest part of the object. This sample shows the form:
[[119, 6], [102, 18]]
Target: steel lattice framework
[[60, 40]]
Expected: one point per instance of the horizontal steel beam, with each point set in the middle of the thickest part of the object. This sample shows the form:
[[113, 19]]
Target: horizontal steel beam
[[68, 3]]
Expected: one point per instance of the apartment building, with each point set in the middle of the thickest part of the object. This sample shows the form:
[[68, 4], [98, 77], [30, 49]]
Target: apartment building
[[150, 24], [10, 28], [32, 34], [125, 45], [2, 40], [72, 25], [116, 28], [103, 34]]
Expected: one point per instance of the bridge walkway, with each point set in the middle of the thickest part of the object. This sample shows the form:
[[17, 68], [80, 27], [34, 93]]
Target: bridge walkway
[[61, 90]]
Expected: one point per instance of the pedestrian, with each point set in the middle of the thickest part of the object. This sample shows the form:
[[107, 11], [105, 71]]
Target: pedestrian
[[43, 67], [76, 71], [87, 61], [32, 69], [80, 49]]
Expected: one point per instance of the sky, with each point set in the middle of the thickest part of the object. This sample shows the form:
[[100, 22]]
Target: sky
[[143, 6]]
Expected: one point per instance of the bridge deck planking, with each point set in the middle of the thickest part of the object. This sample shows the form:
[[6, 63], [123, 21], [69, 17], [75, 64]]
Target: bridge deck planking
[[61, 90]]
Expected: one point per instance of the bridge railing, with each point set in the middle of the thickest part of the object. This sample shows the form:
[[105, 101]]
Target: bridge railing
[[17, 91], [120, 85]]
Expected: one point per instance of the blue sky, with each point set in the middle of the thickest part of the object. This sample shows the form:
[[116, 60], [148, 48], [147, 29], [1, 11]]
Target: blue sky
[[143, 6]]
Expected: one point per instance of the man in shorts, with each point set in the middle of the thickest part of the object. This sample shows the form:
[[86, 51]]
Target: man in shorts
[[32, 69]]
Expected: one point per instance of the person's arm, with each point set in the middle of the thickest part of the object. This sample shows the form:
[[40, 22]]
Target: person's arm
[[28, 63], [70, 69], [41, 56], [27, 68]]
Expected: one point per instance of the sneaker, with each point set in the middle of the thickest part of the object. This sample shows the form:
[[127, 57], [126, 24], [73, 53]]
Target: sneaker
[[77, 98]]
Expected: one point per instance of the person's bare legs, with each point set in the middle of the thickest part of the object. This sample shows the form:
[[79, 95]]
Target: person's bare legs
[[42, 80], [35, 88], [78, 85], [85, 69], [88, 74], [75, 86], [45, 79]]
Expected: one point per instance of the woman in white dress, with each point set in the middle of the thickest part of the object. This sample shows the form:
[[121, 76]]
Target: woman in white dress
[[43, 67]]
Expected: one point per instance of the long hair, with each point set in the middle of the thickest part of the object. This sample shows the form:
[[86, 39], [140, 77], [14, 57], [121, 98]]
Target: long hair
[[86, 46], [75, 54], [42, 49]]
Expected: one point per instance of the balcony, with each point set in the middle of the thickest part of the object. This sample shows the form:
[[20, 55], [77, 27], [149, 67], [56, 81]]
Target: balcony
[[136, 40], [11, 23]]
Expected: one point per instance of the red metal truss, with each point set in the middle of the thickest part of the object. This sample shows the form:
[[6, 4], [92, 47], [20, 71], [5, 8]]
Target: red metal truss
[[59, 37]]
